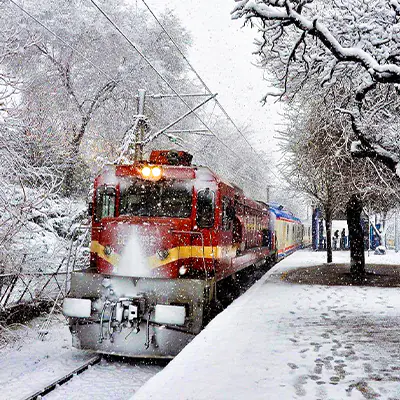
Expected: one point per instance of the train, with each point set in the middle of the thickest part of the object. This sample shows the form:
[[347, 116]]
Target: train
[[164, 235]]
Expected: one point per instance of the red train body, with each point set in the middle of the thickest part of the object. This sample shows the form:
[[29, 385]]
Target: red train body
[[164, 233], [200, 224]]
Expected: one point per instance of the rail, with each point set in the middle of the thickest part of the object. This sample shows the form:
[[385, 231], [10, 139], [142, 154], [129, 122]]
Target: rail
[[65, 378]]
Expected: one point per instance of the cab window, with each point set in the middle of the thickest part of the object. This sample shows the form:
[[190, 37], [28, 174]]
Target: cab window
[[228, 214], [105, 202], [205, 208], [170, 198]]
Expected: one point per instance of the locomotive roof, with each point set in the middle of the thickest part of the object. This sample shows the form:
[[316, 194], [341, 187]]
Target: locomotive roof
[[111, 174]]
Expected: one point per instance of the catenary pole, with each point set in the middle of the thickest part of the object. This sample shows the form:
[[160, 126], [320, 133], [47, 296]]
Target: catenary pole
[[139, 134]]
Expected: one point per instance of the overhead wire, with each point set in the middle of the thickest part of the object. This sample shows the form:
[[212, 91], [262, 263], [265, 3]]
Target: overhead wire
[[196, 73], [165, 80], [148, 62], [63, 41], [141, 55], [202, 81], [200, 152], [79, 53]]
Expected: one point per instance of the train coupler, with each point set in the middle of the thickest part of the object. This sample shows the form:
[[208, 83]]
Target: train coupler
[[122, 313]]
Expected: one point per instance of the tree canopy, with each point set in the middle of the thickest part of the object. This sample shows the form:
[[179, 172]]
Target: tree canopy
[[356, 42]]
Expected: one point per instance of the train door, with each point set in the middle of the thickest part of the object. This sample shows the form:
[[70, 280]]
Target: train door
[[287, 238], [238, 225], [205, 221], [229, 231], [283, 237], [272, 228], [280, 236], [227, 221]]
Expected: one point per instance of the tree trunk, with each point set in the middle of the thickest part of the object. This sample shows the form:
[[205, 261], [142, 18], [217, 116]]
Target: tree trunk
[[69, 177], [328, 226], [69, 180], [356, 236], [68, 186]]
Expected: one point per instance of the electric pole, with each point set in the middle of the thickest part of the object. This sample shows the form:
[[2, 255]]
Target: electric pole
[[141, 127]]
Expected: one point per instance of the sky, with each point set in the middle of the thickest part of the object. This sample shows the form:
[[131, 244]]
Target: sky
[[222, 55]]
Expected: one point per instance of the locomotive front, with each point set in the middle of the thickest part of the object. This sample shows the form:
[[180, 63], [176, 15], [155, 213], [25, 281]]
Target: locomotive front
[[152, 264]]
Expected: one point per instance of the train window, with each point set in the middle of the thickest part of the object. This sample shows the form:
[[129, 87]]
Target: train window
[[156, 199], [228, 214], [105, 202], [205, 208]]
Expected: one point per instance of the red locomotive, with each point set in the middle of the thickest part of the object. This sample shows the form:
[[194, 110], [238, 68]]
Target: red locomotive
[[164, 234]]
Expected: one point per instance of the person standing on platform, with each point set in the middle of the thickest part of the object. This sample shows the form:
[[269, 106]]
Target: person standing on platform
[[343, 239], [335, 239]]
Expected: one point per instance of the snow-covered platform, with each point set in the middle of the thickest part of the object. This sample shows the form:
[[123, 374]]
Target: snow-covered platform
[[290, 341]]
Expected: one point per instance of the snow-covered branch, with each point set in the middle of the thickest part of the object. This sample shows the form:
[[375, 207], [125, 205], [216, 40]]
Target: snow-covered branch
[[350, 44], [287, 12]]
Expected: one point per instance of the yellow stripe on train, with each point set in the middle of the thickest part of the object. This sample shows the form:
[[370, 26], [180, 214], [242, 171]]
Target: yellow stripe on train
[[174, 254]]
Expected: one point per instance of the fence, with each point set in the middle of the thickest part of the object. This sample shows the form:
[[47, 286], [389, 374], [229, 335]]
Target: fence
[[35, 287], [31, 287]]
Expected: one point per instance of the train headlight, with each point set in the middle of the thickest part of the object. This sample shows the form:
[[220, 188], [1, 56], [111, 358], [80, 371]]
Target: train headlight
[[78, 308], [183, 270], [162, 254], [146, 171], [107, 250], [156, 172]]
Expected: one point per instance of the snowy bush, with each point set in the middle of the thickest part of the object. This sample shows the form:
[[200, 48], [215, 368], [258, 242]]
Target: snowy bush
[[37, 225]]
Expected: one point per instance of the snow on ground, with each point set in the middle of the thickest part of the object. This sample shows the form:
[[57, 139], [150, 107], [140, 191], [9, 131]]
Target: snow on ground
[[278, 340], [290, 341], [112, 379], [29, 363]]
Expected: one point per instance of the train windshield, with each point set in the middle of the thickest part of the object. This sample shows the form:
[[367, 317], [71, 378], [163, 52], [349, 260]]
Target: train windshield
[[171, 198], [105, 202]]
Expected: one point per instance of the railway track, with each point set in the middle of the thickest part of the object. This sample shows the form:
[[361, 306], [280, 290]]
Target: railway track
[[65, 378], [137, 372]]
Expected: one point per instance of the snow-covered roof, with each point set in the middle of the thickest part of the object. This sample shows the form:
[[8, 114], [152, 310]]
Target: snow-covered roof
[[282, 213]]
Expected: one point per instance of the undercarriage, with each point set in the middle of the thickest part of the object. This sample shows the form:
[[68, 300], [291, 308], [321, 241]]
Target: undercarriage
[[132, 316]]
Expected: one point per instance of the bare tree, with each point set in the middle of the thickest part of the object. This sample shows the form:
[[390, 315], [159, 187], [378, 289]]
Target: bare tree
[[318, 162], [303, 40], [313, 162], [88, 79]]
